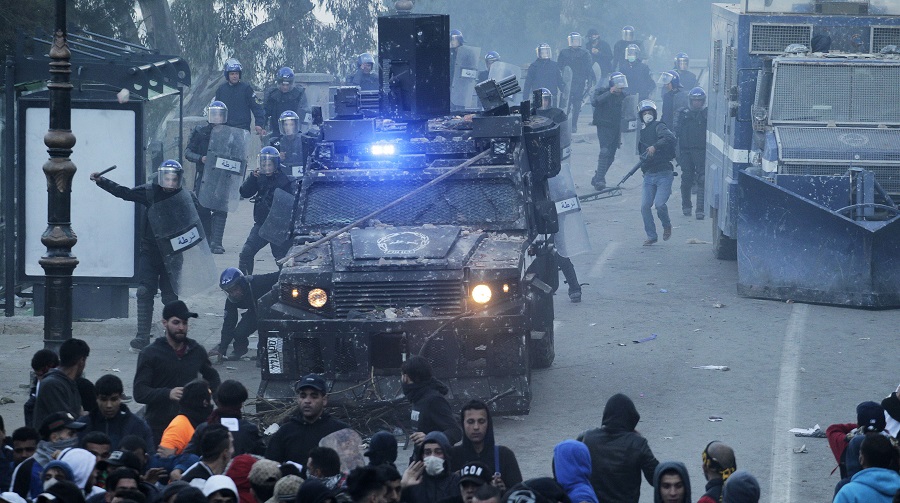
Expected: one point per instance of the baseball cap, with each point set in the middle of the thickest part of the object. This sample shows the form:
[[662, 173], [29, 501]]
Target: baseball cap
[[314, 381], [265, 472], [870, 416], [58, 421], [476, 472], [124, 458], [177, 308], [218, 483], [10, 497]]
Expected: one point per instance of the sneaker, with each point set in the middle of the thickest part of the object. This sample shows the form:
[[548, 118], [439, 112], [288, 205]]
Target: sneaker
[[236, 356], [667, 233], [575, 296], [126, 398], [217, 249], [139, 343], [686, 211], [649, 242], [700, 215]]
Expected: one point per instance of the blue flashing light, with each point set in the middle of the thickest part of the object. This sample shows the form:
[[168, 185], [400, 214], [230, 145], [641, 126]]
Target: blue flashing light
[[382, 149]]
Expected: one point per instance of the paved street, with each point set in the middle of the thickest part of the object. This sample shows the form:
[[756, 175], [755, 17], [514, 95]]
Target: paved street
[[791, 365]]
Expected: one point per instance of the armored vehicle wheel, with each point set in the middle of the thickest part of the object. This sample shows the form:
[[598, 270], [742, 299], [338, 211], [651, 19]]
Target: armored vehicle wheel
[[540, 341], [540, 351], [724, 247]]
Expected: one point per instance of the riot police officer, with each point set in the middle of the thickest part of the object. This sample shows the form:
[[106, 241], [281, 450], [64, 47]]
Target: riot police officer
[[241, 293], [637, 72], [285, 96], [600, 51], [456, 41], [363, 77], [673, 97], [151, 273], [607, 104], [619, 56], [682, 66], [544, 72], [656, 145], [489, 59], [289, 143], [196, 150], [579, 60], [691, 131], [260, 186], [564, 264], [240, 99]]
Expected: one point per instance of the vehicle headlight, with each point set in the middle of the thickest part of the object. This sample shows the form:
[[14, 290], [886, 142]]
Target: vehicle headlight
[[481, 293], [295, 293], [317, 297]]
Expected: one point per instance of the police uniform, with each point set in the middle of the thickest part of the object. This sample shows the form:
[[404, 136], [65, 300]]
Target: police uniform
[[261, 188], [690, 128], [544, 73], [639, 79], [278, 102], [580, 61], [365, 81], [242, 103], [213, 221], [607, 119]]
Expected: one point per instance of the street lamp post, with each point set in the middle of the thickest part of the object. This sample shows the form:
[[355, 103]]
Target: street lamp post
[[59, 238]]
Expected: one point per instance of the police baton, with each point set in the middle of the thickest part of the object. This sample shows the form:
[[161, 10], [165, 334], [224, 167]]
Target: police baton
[[107, 170]]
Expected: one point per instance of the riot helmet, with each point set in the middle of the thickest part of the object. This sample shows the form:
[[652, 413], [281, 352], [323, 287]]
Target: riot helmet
[[217, 113], [618, 80], [365, 62], [285, 78], [491, 58], [669, 77], [456, 39], [628, 33], [288, 122], [169, 175], [233, 283], [543, 51], [682, 62], [645, 109], [574, 39], [269, 158], [232, 65], [546, 99], [632, 53], [697, 97]]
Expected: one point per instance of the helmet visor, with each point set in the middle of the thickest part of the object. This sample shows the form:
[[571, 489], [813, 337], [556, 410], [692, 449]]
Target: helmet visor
[[575, 40], [628, 34], [682, 63], [217, 115], [268, 163], [168, 178], [544, 52], [288, 125], [619, 81], [631, 52], [664, 78]]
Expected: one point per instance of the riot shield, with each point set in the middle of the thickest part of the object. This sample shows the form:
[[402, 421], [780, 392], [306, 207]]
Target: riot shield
[[277, 227], [598, 73], [226, 163], [465, 76], [572, 238], [500, 70], [629, 113], [347, 443], [182, 244], [567, 88]]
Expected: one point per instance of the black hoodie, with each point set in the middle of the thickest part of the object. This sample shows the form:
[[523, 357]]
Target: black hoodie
[[619, 454], [433, 488], [498, 458], [682, 472], [431, 411]]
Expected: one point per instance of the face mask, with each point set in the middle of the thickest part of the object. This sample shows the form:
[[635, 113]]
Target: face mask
[[434, 465], [647, 118], [631, 59], [48, 484]]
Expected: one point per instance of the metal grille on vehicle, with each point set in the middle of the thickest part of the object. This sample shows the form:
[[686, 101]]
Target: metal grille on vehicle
[[774, 38], [444, 297], [850, 145], [886, 176], [884, 35], [836, 93]]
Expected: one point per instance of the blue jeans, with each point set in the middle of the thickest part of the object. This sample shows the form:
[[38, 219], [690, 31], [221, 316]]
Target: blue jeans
[[657, 189]]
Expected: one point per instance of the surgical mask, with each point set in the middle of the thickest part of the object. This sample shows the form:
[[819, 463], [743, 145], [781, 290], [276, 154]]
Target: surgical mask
[[631, 59], [647, 118], [49, 483], [434, 465]]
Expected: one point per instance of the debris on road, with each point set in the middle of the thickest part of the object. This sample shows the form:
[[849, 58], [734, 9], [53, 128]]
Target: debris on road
[[646, 339], [718, 305], [695, 241], [801, 450], [663, 290], [5, 400], [723, 368], [715, 419], [622, 344], [815, 432]]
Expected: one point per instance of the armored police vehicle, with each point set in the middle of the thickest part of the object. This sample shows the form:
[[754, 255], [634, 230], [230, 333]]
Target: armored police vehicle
[[802, 168], [454, 261]]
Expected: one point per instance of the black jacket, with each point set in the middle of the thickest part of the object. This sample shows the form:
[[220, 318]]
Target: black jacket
[[639, 80], [498, 458], [603, 57], [242, 103], [608, 115], [681, 470], [433, 489], [672, 103], [144, 195], [365, 82], [121, 425], [690, 128], [657, 135], [688, 79], [260, 284], [430, 409], [544, 73], [245, 440], [619, 53], [197, 147], [56, 393], [261, 188], [619, 454], [292, 148], [296, 437], [159, 369], [581, 63], [278, 102]]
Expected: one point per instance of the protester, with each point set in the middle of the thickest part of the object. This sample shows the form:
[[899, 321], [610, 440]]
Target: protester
[[478, 444], [430, 409], [572, 470], [671, 483]]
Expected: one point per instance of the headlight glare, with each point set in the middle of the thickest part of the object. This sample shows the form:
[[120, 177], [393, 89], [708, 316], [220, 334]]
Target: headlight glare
[[317, 297], [481, 293]]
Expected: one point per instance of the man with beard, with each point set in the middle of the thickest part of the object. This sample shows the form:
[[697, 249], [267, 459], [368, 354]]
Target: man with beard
[[58, 391], [299, 434], [58, 432], [478, 444], [430, 409], [166, 365]]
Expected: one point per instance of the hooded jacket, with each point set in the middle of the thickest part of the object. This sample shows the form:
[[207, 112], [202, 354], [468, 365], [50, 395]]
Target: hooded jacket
[[296, 437], [619, 454], [433, 488], [682, 472], [742, 487], [121, 425], [498, 458], [56, 392], [572, 469], [872, 485], [431, 411]]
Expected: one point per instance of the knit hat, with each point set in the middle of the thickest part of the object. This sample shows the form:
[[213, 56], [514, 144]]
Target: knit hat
[[265, 472], [870, 416], [286, 489], [239, 471], [382, 448], [741, 487], [172, 489], [313, 491], [61, 465]]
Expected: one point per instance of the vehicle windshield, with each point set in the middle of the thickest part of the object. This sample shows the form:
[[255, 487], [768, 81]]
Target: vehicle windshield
[[487, 203], [859, 93]]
